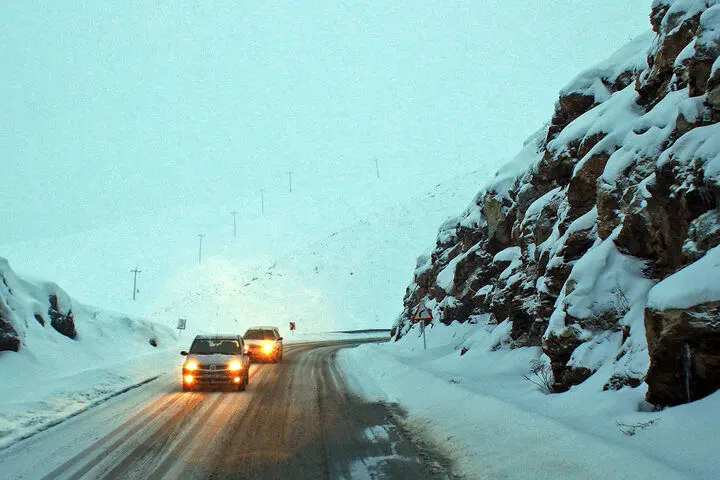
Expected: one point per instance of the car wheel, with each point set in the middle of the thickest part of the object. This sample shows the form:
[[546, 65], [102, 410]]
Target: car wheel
[[241, 387], [247, 377], [186, 388]]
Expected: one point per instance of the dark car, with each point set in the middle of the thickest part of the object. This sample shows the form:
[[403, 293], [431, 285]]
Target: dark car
[[216, 360], [264, 344]]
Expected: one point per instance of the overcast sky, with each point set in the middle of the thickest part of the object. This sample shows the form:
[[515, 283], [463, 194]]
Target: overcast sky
[[111, 109]]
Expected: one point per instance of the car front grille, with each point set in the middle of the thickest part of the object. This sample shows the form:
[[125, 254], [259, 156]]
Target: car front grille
[[220, 374]]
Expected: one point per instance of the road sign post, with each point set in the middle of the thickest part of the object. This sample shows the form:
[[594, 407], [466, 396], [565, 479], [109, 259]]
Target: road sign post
[[422, 314], [182, 323]]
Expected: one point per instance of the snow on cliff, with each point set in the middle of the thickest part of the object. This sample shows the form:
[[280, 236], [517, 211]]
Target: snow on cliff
[[618, 193]]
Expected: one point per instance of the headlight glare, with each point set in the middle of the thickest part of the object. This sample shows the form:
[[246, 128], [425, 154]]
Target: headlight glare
[[235, 366], [191, 365]]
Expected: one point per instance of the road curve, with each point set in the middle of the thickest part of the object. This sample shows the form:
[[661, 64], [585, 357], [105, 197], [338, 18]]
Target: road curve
[[297, 420]]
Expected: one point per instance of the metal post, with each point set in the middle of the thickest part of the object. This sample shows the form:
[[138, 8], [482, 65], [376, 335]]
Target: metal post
[[290, 180], [687, 365], [423, 334], [200, 236], [377, 168], [262, 201], [234, 214], [135, 271]]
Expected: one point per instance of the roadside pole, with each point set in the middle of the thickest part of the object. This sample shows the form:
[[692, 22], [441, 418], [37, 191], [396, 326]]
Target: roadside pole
[[423, 334]]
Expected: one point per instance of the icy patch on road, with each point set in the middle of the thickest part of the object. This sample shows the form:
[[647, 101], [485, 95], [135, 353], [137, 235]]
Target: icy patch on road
[[373, 468]]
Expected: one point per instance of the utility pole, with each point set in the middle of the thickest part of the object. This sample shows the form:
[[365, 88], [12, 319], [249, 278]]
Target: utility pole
[[262, 201], [290, 179], [377, 167], [135, 271], [234, 214], [200, 236]]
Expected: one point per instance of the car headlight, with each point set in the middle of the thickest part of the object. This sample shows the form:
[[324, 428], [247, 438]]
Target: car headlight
[[235, 366], [246, 349], [191, 365], [268, 348]]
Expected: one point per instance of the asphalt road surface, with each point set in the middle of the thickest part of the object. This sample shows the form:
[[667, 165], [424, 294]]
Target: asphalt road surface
[[297, 420]]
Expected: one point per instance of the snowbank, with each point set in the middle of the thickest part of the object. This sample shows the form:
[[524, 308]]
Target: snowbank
[[495, 424], [69, 355]]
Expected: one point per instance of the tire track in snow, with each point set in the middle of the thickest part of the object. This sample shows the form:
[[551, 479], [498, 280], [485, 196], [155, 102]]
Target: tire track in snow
[[151, 410], [160, 436]]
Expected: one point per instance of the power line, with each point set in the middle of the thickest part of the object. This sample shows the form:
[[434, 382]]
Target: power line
[[135, 271]]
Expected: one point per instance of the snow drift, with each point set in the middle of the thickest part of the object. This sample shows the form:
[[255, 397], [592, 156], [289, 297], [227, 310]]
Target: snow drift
[[58, 356]]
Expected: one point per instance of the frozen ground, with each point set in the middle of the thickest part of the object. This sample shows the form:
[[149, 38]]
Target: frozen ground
[[498, 425]]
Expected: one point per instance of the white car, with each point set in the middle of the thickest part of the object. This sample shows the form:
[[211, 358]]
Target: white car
[[216, 360], [264, 343]]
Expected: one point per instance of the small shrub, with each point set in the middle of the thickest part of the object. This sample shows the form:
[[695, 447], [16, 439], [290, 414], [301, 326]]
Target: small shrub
[[540, 374]]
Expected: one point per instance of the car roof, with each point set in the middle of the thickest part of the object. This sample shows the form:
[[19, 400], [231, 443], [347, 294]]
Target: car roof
[[217, 337], [262, 328]]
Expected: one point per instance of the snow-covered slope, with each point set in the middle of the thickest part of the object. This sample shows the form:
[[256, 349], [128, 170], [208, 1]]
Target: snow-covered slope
[[58, 355], [42, 326], [598, 242]]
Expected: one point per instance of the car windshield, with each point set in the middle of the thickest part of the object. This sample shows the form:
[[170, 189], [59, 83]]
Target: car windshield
[[259, 335], [209, 346]]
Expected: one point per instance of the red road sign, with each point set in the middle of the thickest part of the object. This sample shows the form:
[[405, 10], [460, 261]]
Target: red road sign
[[292, 326], [422, 313]]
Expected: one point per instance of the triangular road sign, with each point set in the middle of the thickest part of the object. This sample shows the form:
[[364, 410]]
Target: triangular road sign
[[422, 313]]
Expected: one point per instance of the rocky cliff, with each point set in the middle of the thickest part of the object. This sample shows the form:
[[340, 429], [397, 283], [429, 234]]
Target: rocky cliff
[[599, 241]]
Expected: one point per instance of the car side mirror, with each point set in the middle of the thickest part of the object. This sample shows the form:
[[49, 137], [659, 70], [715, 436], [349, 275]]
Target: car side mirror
[[279, 338], [183, 353]]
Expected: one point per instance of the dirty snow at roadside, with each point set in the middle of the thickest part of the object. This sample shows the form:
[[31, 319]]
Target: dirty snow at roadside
[[496, 424]]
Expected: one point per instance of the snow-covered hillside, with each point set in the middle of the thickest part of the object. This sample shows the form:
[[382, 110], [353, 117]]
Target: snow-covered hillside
[[329, 259], [599, 242], [58, 355]]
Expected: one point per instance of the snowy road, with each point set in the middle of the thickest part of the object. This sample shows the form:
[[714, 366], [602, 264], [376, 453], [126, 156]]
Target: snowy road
[[296, 420]]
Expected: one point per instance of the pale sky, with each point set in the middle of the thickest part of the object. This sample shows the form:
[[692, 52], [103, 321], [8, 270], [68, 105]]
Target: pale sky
[[112, 109]]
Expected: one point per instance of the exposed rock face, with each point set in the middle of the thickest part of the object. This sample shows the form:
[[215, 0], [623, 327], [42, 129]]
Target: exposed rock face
[[62, 322], [9, 339], [684, 347], [621, 191]]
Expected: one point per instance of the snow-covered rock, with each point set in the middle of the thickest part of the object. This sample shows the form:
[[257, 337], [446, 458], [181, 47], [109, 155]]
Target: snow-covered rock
[[619, 192], [40, 322]]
